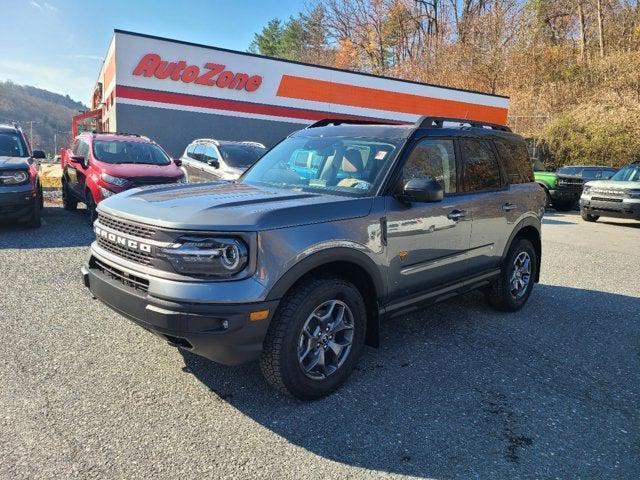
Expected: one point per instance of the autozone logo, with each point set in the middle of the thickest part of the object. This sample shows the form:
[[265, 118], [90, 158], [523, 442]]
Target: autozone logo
[[211, 75], [123, 241]]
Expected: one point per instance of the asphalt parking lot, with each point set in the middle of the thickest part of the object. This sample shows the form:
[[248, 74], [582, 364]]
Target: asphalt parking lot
[[455, 391]]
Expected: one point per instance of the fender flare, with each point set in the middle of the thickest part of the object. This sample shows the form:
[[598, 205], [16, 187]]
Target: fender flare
[[324, 257]]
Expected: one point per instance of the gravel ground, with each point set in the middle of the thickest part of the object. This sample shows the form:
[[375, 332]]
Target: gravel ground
[[456, 391]]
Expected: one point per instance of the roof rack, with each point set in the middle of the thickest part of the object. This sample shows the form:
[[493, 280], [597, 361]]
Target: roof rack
[[438, 122], [352, 121], [124, 134], [253, 144]]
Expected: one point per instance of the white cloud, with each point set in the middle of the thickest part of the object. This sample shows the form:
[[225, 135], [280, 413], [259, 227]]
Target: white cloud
[[43, 6], [61, 80], [81, 56]]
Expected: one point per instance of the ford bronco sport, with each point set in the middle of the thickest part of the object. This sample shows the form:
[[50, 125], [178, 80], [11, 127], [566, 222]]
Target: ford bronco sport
[[618, 197], [99, 165], [20, 190], [298, 270]]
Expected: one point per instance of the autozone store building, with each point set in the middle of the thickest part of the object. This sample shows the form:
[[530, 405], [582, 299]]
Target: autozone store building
[[175, 91]]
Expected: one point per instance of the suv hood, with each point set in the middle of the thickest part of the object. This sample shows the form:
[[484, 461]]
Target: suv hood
[[223, 206], [129, 170], [11, 163], [613, 185]]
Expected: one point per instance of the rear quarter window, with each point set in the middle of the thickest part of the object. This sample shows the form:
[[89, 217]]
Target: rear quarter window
[[515, 160]]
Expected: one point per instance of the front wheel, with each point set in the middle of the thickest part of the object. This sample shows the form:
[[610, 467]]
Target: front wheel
[[315, 338], [587, 217], [69, 202], [512, 289], [92, 214]]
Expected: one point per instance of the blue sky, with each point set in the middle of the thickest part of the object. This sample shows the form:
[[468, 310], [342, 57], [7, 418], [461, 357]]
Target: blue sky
[[60, 44]]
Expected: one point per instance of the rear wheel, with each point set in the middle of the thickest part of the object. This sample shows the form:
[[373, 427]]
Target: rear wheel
[[587, 217], [513, 288], [92, 215], [315, 338], [69, 202]]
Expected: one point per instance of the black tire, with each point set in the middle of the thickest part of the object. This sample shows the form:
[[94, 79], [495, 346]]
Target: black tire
[[92, 214], [279, 362], [499, 294], [35, 220], [563, 205], [69, 202], [587, 217]]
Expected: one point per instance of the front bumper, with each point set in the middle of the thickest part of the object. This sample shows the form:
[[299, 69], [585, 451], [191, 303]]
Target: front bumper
[[564, 195], [618, 208], [17, 202], [218, 331]]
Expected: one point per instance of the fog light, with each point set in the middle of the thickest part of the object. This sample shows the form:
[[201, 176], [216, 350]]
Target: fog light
[[259, 315]]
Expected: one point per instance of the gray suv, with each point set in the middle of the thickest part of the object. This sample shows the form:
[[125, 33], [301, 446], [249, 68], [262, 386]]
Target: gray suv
[[297, 262]]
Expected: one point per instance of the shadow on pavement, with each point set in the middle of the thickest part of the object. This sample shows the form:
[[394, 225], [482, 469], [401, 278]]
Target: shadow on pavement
[[460, 391], [59, 229]]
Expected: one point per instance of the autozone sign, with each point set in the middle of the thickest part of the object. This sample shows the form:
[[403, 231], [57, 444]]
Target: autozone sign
[[210, 74]]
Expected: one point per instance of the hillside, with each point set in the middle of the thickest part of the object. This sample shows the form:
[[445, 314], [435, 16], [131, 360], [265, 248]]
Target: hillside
[[50, 111]]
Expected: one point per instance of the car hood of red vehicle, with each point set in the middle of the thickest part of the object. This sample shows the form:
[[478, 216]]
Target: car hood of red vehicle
[[128, 170]]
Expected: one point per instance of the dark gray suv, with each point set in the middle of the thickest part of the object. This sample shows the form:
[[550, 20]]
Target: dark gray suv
[[340, 225]]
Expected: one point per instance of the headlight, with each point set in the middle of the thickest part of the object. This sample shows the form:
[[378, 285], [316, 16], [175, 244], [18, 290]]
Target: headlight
[[106, 193], [117, 181], [633, 193], [13, 177], [586, 188], [207, 256]]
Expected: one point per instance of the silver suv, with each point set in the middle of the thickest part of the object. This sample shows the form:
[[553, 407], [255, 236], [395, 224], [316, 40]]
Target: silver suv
[[618, 197], [206, 159], [338, 226]]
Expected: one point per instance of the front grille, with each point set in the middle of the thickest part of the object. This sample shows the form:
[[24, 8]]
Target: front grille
[[125, 227], [142, 181], [126, 279], [608, 192], [143, 258], [603, 199]]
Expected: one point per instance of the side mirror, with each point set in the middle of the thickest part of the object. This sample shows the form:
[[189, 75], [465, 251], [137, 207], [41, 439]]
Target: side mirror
[[38, 155], [214, 163], [76, 159], [177, 162], [422, 190]]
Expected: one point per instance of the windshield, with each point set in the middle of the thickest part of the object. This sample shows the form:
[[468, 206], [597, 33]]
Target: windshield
[[113, 151], [12, 145], [569, 170], [240, 155], [335, 165], [630, 173]]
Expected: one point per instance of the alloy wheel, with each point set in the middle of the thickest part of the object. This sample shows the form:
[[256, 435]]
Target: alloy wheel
[[326, 339], [521, 275]]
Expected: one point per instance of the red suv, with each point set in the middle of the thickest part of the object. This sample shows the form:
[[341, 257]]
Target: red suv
[[99, 165]]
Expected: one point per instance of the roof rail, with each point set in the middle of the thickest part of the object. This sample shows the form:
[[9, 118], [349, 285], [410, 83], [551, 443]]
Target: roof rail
[[208, 140], [352, 121], [438, 122], [124, 134]]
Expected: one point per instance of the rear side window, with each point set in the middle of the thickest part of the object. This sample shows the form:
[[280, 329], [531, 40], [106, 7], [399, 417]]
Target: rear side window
[[516, 161], [432, 159], [480, 170]]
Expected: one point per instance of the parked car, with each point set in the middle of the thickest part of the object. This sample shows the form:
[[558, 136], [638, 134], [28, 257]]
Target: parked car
[[617, 197], [99, 165], [206, 159], [563, 187], [20, 189], [298, 271]]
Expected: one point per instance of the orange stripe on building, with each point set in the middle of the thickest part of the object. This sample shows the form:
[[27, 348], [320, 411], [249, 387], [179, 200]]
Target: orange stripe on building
[[355, 96], [109, 71]]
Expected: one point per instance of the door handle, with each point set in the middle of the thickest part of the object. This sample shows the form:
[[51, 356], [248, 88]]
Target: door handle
[[507, 207], [456, 215]]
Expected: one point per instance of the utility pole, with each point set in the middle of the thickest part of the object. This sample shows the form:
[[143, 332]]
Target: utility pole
[[31, 122]]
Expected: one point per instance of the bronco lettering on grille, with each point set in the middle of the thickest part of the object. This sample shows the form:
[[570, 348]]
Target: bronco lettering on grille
[[123, 241]]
